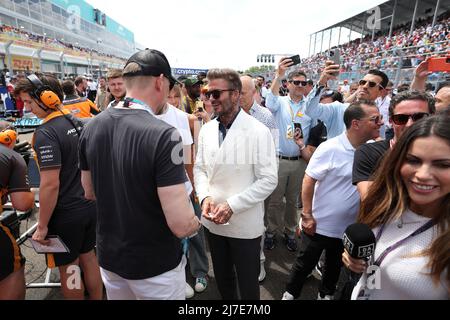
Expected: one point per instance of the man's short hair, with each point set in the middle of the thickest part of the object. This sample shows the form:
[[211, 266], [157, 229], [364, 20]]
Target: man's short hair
[[68, 87], [25, 86], [79, 80], [229, 75], [356, 112], [295, 74], [442, 86], [403, 87], [114, 74], [382, 75], [412, 95], [260, 76], [130, 82]]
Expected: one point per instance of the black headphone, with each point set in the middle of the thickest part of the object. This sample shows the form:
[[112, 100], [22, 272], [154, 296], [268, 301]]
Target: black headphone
[[8, 136], [48, 98], [44, 93]]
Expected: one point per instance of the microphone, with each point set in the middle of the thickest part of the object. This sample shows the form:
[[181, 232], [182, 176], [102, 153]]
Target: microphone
[[359, 241]]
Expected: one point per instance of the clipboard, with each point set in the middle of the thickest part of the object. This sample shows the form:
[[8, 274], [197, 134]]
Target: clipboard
[[56, 246]]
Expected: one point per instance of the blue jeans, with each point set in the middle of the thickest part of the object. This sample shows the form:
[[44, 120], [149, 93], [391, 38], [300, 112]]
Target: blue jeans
[[198, 260]]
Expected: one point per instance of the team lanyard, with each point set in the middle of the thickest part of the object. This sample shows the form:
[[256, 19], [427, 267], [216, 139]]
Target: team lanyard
[[386, 252], [137, 104]]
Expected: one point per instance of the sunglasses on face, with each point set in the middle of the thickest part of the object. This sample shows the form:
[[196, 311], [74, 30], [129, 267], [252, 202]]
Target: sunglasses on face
[[216, 93], [299, 83], [371, 83], [402, 119], [376, 119]]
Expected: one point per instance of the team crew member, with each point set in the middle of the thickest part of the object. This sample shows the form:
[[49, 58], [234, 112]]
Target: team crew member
[[63, 209], [78, 106], [13, 181]]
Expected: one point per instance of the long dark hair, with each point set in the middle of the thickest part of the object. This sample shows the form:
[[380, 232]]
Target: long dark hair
[[388, 197]]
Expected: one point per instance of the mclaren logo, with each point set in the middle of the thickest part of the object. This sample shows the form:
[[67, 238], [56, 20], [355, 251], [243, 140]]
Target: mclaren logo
[[73, 131]]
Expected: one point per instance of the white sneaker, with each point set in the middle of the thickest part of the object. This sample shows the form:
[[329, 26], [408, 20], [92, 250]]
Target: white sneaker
[[326, 297], [287, 296], [201, 284], [262, 273], [189, 291]]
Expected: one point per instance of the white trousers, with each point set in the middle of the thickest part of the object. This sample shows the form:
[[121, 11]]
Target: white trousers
[[167, 286]]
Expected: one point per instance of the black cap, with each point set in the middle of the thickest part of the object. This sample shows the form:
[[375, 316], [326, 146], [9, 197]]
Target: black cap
[[153, 63]]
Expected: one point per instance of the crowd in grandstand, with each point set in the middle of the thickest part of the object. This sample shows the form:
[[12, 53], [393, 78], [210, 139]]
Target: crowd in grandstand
[[49, 42], [384, 52]]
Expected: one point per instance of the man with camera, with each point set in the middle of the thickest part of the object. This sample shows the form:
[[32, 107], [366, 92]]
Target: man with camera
[[370, 88], [288, 112], [13, 182]]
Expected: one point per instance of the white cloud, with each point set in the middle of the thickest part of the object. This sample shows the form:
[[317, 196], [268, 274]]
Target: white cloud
[[227, 33]]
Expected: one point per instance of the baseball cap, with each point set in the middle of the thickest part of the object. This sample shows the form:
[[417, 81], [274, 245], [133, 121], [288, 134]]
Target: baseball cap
[[153, 63], [191, 81]]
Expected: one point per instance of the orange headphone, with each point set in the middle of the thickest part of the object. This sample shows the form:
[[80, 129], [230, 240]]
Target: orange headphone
[[8, 136], [44, 93]]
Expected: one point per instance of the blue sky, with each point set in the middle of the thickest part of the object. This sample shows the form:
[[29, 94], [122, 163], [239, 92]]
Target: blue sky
[[228, 33]]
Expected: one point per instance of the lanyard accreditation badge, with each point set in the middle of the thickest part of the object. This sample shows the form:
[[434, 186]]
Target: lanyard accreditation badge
[[290, 131]]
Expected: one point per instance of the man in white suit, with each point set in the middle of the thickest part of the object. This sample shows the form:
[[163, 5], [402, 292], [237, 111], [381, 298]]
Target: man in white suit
[[235, 171]]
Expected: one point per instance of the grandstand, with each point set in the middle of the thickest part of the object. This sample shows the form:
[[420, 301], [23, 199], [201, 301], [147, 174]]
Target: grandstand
[[394, 37], [60, 37]]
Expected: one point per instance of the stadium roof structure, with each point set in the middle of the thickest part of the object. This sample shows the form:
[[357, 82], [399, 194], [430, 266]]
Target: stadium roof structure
[[393, 13]]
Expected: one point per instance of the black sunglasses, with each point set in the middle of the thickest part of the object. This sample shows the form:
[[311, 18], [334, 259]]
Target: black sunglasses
[[371, 84], [402, 119], [376, 119], [299, 83], [216, 93]]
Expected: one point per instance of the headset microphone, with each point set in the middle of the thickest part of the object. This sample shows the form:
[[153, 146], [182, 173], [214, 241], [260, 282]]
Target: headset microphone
[[44, 93]]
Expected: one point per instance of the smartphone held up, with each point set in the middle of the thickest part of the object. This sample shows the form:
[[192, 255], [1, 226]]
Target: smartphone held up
[[439, 64], [295, 60]]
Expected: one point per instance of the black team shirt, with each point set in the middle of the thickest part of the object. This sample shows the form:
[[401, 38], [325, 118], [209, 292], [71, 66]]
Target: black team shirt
[[130, 154]]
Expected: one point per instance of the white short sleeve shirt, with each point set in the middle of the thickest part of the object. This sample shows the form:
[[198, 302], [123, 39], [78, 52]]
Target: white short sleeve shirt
[[336, 200]]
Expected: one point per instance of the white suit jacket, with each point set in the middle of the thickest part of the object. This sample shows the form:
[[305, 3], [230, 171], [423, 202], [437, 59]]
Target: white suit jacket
[[243, 171]]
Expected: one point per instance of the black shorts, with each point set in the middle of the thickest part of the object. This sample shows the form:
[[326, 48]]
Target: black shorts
[[11, 259], [77, 230]]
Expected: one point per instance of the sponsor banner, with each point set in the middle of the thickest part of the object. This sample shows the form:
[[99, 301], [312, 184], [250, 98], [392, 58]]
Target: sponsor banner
[[187, 72]]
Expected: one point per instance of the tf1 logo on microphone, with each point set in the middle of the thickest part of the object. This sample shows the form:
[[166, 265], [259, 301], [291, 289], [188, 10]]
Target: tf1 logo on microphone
[[366, 251], [348, 244]]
